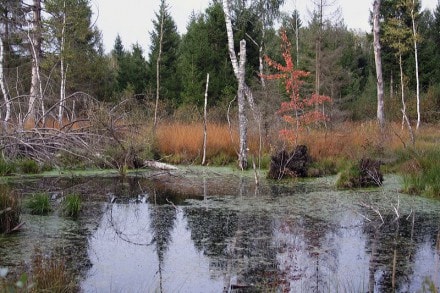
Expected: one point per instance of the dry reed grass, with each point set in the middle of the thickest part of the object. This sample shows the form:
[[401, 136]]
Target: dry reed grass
[[348, 140], [185, 141]]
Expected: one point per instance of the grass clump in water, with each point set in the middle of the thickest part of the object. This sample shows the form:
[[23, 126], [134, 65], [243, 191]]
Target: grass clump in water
[[10, 210], [72, 205], [50, 274], [39, 204], [422, 174]]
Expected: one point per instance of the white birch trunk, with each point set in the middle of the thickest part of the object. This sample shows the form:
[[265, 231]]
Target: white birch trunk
[[205, 121], [35, 42], [247, 91], [378, 62], [417, 64], [404, 116], [260, 59], [242, 120], [159, 55], [4, 89], [63, 71], [230, 34]]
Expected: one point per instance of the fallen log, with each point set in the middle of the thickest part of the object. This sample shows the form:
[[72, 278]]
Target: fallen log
[[159, 165]]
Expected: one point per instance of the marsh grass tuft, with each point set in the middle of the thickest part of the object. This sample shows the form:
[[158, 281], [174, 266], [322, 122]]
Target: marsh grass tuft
[[39, 204], [28, 166], [50, 274], [10, 210], [423, 176], [7, 168], [346, 176], [72, 205]]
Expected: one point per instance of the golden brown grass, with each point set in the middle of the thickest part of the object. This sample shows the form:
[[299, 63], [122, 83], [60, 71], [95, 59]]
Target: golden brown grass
[[182, 143]]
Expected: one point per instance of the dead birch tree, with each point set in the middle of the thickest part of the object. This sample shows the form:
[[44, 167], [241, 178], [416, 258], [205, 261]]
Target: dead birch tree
[[205, 121], [35, 43], [415, 37], [247, 92], [63, 69], [3, 86], [159, 55], [378, 62], [242, 119]]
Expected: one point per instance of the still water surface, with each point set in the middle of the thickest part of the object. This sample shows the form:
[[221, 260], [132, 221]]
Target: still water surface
[[214, 230]]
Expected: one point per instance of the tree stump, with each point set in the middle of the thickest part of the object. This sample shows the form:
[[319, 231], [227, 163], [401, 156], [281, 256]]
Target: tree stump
[[294, 164]]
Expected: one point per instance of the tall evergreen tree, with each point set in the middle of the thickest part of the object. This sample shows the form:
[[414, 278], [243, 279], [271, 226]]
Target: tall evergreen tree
[[72, 37], [204, 50], [131, 68], [170, 86]]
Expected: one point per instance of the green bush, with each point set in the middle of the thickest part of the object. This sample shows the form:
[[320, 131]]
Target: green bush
[[10, 209], [72, 205], [39, 204]]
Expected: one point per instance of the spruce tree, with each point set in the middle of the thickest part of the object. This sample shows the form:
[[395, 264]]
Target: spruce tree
[[169, 81]]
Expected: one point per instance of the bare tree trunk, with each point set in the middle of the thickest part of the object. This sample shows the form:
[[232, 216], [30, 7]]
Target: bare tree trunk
[[378, 61], [404, 116], [318, 52], [205, 121], [3, 86], [247, 91], [416, 57], [159, 56], [260, 59], [35, 41], [297, 37], [242, 120], [63, 71]]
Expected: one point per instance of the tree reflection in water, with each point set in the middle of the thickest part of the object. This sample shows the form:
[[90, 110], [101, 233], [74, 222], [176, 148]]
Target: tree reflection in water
[[215, 232]]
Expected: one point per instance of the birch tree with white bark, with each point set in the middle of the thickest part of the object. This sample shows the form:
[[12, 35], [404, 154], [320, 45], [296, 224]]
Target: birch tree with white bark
[[412, 4], [378, 62], [243, 87], [3, 84], [34, 35]]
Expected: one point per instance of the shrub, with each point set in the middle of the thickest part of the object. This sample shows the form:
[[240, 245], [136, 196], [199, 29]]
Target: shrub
[[10, 210], [39, 204], [72, 205]]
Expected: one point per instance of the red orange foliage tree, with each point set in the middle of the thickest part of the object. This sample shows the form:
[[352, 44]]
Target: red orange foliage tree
[[299, 111]]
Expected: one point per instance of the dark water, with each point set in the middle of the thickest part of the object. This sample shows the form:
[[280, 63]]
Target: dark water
[[213, 230]]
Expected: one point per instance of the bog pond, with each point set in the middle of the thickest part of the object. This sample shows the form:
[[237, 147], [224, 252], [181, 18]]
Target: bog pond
[[214, 230]]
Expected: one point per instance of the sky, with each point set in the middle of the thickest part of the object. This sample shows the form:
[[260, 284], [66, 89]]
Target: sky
[[133, 19]]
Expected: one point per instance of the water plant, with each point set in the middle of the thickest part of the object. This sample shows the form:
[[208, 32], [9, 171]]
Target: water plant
[[72, 205], [10, 210], [39, 204]]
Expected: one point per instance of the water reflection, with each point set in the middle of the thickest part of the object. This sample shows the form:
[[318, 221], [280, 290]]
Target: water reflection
[[215, 232]]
